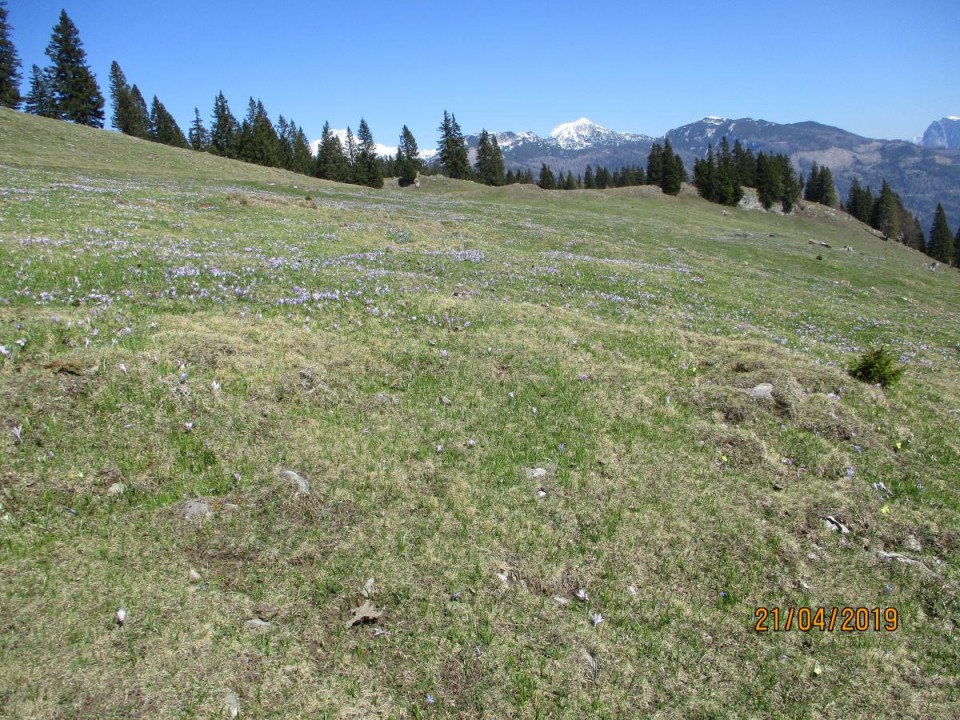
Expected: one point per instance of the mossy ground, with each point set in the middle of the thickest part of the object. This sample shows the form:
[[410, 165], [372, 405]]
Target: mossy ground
[[189, 326]]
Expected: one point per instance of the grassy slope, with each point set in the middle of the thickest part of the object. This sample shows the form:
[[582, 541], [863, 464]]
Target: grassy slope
[[414, 353]]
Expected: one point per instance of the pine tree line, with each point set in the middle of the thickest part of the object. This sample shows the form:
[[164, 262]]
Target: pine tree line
[[721, 177]]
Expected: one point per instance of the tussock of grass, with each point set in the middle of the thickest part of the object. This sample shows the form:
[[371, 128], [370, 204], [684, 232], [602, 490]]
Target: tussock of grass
[[191, 327]]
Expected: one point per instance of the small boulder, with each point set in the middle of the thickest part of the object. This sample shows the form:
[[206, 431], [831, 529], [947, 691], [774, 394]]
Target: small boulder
[[196, 510], [300, 483], [763, 391]]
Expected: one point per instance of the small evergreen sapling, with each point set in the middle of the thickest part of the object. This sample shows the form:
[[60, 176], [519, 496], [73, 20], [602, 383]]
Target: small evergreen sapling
[[877, 367]]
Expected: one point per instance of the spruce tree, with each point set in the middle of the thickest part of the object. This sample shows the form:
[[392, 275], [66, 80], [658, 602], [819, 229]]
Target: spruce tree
[[510, 178], [129, 114], [367, 168], [119, 98], [655, 165], [790, 186], [672, 177], [257, 140], [588, 181], [77, 95], [570, 183], [941, 239], [163, 128], [302, 154], [860, 202], [223, 129], [705, 176], [452, 149], [769, 184], [408, 158], [489, 165], [602, 178], [40, 99], [956, 249], [9, 64], [912, 231], [331, 162], [884, 216], [746, 164], [198, 135], [547, 180], [139, 115]]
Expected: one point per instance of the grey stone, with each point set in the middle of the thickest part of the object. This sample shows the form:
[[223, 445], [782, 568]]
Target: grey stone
[[258, 625], [197, 510], [537, 473], [763, 391], [301, 483]]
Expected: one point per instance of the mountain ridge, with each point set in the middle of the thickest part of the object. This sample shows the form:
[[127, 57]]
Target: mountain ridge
[[923, 176]]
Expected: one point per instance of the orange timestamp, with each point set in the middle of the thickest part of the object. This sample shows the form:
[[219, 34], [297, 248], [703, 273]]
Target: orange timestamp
[[840, 619]]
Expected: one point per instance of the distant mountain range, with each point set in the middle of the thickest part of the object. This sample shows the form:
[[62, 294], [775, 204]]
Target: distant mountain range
[[923, 174]]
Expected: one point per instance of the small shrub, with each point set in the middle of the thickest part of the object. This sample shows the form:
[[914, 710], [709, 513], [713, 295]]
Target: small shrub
[[877, 366]]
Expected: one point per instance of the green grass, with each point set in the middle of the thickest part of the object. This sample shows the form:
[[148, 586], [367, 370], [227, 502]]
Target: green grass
[[415, 353]]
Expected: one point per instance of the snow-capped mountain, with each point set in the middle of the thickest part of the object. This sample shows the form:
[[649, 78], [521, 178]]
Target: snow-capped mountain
[[583, 133], [943, 133], [923, 176]]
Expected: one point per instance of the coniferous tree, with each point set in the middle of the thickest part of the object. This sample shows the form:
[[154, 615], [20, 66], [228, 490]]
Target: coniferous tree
[[224, 129], [129, 114], [258, 142], [912, 231], [198, 135], [790, 186], [77, 95], [547, 179], [510, 178], [673, 172], [602, 179], [40, 99], [489, 165], [408, 158], [163, 128], [367, 169], [9, 64], [769, 185], [655, 165], [819, 187], [588, 181], [302, 155], [956, 249], [452, 149], [139, 115], [746, 164], [119, 99], [705, 176], [331, 161], [884, 216], [570, 183], [860, 202], [941, 239], [284, 150]]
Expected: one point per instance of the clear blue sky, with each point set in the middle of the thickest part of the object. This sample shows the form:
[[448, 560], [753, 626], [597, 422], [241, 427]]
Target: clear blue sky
[[878, 68]]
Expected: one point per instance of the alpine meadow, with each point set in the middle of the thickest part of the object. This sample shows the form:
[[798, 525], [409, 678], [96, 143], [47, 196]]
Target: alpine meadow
[[294, 429], [457, 450]]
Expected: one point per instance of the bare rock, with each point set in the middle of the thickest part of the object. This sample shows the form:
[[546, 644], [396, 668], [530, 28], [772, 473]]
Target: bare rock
[[197, 510], [300, 483], [763, 391]]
